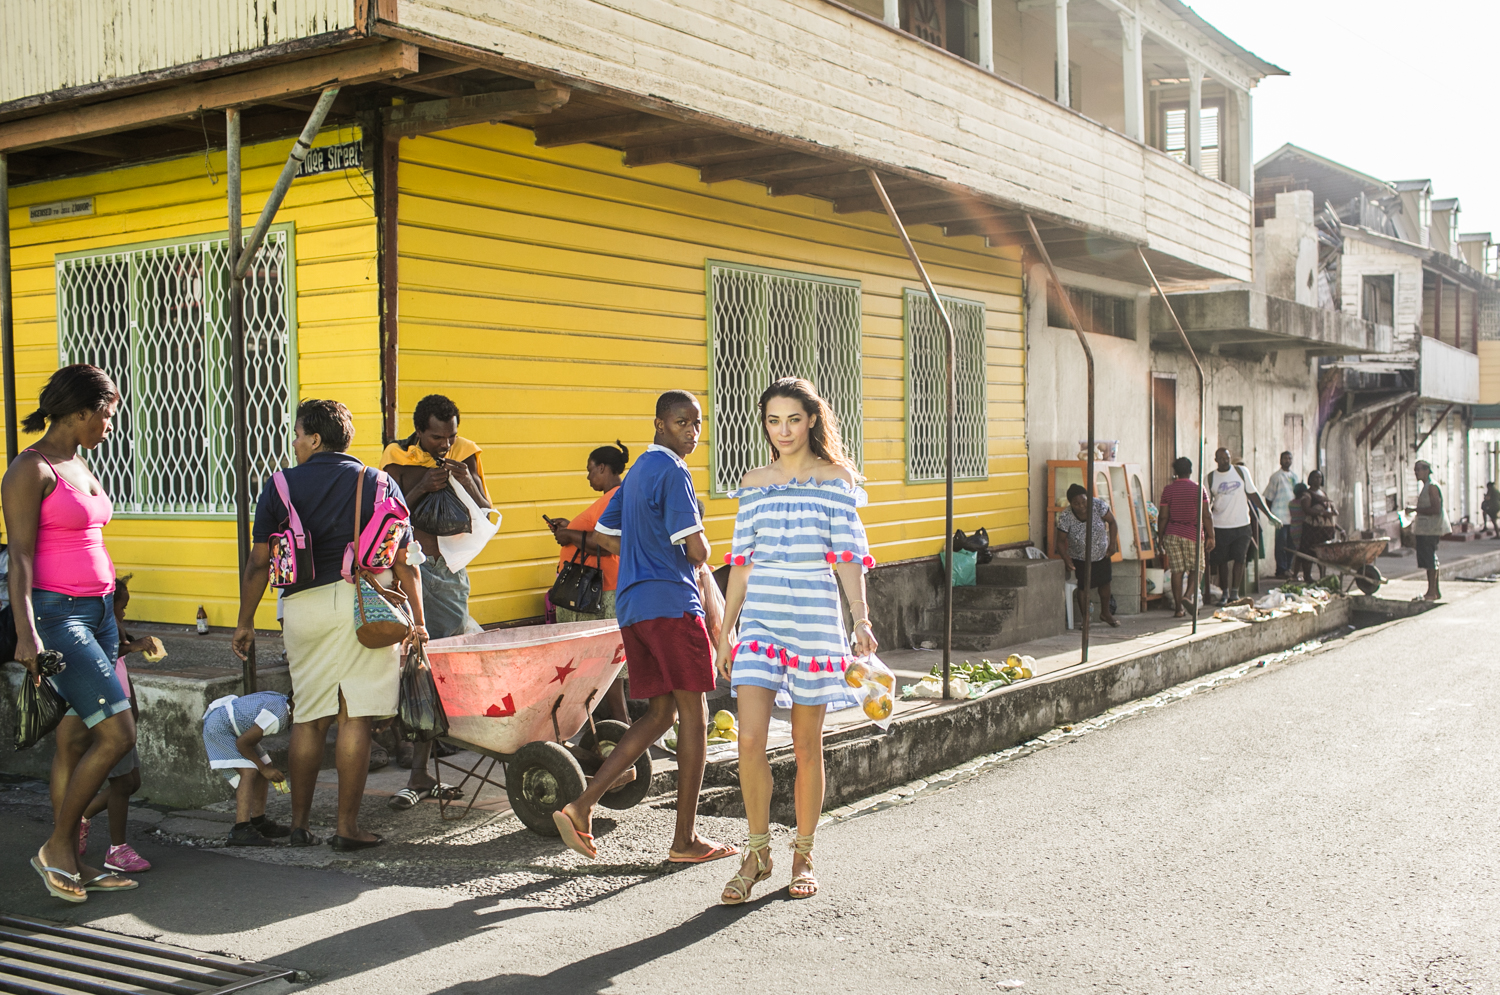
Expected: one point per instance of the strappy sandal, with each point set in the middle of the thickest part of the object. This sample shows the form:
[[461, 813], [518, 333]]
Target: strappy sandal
[[803, 845], [52, 889], [737, 891]]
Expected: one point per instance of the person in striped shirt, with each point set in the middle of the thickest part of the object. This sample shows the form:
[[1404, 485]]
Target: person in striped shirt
[[796, 538]]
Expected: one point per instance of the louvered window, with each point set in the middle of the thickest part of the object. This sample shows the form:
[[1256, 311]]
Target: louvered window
[[156, 318], [1175, 136], [766, 324], [926, 389]]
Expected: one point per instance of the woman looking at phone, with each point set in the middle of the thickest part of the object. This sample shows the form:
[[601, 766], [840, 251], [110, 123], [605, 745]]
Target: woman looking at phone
[[605, 467]]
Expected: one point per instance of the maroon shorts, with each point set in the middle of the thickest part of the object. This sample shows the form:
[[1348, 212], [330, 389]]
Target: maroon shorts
[[668, 654]]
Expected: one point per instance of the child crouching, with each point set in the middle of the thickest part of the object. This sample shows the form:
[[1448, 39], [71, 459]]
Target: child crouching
[[245, 765]]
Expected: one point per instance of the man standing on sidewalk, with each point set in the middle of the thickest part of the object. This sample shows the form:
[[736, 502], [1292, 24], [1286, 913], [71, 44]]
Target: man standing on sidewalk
[[1278, 494], [654, 524], [1429, 528], [1232, 494]]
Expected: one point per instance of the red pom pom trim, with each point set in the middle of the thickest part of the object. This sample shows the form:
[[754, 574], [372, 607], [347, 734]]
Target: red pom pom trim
[[869, 561], [848, 556], [816, 666], [739, 561], [770, 652], [728, 558], [783, 656], [843, 663], [830, 557]]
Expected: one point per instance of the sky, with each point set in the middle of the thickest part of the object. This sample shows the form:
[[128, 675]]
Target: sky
[[1396, 90]]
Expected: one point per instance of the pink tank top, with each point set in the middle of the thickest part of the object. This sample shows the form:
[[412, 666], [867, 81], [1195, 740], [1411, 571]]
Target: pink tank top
[[70, 554]]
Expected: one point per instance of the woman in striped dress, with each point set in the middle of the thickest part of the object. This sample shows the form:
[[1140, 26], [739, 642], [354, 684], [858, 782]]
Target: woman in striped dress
[[797, 529]]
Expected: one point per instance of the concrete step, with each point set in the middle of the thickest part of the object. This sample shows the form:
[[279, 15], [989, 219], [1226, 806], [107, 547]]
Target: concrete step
[[976, 620], [1013, 572], [984, 597]]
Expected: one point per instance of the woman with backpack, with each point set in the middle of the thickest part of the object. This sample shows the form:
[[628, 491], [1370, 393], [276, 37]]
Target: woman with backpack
[[308, 513]]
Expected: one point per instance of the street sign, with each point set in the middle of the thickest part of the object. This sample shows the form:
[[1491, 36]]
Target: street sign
[[59, 209], [331, 159]]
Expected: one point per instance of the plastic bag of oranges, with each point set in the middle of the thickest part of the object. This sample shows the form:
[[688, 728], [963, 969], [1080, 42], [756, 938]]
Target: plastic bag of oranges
[[874, 688]]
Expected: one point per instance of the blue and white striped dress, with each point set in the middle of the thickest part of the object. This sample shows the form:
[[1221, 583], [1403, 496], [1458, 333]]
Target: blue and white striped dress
[[791, 628]]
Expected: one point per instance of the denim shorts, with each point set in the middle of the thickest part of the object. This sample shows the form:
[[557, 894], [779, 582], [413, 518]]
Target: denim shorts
[[83, 631]]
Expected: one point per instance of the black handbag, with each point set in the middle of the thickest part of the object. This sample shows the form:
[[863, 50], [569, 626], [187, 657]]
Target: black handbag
[[580, 587]]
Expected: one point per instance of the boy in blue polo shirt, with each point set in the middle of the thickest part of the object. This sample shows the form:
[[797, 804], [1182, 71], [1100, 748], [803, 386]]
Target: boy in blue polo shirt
[[653, 523]]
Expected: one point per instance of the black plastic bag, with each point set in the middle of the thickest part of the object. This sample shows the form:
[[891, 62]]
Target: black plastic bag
[[422, 715], [7, 634], [39, 708], [441, 513]]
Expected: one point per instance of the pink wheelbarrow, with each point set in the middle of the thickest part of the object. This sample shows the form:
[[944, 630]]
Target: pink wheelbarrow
[[515, 697]]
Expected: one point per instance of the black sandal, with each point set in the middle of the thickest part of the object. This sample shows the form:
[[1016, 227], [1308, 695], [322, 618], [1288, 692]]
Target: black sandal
[[345, 843]]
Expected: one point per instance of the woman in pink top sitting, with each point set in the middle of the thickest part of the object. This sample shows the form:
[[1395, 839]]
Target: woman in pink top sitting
[[62, 595]]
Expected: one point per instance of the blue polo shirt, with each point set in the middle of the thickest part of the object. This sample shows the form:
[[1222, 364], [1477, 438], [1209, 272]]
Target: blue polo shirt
[[323, 490], [653, 513]]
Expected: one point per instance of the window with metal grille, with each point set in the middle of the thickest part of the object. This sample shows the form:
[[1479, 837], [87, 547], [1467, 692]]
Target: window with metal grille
[[1104, 314], [156, 318], [927, 390], [764, 324]]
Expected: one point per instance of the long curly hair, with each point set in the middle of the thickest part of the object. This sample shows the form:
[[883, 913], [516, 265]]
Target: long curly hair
[[823, 436]]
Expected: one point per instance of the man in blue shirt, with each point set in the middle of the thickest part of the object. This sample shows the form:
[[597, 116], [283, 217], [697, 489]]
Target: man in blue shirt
[[654, 525]]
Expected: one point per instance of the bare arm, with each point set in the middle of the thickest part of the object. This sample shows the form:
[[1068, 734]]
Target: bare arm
[[25, 484], [696, 547], [734, 600], [1260, 503], [247, 743], [466, 472], [1114, 534], [852, 577], [609, 544], [591, 545], [409, 580], [252, 589], [1062, 547]]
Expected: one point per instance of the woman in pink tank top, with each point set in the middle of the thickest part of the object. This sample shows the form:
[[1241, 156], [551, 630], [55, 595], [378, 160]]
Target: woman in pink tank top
[[62, 596]]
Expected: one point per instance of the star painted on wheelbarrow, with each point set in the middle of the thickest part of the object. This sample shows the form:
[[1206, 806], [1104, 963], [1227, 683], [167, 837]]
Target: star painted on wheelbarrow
[[563, 673]]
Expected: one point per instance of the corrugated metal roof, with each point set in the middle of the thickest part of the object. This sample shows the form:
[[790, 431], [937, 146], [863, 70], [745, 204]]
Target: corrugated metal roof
[[50, 45]]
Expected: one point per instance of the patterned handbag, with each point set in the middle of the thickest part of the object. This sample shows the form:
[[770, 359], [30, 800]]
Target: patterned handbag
[[285, 545], [381, 617]]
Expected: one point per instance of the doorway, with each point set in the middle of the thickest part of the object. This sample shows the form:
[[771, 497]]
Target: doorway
[[1232, 431], [1163, 430]]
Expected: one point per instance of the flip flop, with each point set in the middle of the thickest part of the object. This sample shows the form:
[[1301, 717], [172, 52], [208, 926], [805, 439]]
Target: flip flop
[[56, 892], [346, 843], [404, 799], [92, 884], [718, 852], [576, 839]]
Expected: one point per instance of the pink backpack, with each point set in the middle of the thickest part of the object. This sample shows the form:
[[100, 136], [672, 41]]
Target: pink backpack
[[286, 545], [376, 546]]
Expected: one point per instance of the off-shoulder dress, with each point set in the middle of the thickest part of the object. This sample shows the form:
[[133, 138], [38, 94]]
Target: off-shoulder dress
[[791, 628]]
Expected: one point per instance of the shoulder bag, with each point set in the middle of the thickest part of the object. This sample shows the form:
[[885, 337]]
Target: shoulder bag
[[580, 587], [381, 617]]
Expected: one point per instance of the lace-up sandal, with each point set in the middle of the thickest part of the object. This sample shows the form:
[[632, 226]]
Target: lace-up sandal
[[737, 891], [804, 885]]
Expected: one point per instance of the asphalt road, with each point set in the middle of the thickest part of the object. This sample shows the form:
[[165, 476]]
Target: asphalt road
[[1327, 825]]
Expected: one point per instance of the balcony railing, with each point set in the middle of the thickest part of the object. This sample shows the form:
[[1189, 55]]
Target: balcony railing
[[1448, 374]]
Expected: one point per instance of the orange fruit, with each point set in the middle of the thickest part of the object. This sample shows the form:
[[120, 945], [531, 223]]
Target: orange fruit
[[855, 675], [879, 707]]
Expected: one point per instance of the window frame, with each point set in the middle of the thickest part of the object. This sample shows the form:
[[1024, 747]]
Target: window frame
[[212, 377], [1185, 105], [851, 429], [908, 394]]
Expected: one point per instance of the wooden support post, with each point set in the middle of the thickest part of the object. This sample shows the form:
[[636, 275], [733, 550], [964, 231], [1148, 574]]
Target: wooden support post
[[1062, 84], [390, 271], [235, 210], [1195, 116], [987, 35], [7, 316], [1245, 104], [1134, 71], [892, 13]]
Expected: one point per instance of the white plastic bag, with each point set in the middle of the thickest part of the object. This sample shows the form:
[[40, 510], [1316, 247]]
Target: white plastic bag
[[874, 688], [459, 551]]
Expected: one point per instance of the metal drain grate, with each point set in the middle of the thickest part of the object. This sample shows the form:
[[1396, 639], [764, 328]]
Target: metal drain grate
[[45, 958]]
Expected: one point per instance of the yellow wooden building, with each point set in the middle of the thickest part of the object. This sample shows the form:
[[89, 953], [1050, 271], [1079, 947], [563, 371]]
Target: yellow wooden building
[[553, 293]]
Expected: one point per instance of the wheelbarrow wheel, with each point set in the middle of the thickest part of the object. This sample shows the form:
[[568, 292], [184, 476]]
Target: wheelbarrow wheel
[[1369, 580], [540, 779], [609, 732]]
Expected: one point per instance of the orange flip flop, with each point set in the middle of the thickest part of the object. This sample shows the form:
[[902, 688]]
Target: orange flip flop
[[576, 839], [719, 852]]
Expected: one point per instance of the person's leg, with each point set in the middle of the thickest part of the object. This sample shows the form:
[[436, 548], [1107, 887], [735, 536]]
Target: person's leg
[[1105, 615], [692, 755], [305, 759], [420, 781], [100, 802], [619, 709], [1080, 601], [120, 790], [352, 754], [660, 713], [1178, 611], [1433, 593], [811, 786], [250, 796], [74, 786], [756, 783], [1238, 586]]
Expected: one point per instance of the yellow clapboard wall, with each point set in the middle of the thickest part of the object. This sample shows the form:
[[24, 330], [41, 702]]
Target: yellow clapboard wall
[[181, 563], [553, 294]]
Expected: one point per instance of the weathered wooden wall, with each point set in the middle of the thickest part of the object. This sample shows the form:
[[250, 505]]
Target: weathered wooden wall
[[553, 294], [815, 72]]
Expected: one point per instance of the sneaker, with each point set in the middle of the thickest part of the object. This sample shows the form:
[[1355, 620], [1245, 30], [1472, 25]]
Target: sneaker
[[271, 829], [123, 858], [244, 834], [83, 836]]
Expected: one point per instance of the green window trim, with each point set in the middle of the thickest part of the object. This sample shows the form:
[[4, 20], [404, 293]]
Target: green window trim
[[926, 389], [154, 315], [764, 324]]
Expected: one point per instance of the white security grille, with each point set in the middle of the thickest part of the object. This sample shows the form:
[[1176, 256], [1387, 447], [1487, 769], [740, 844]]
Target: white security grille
[[156, 319], [768, 324], [927, 392]]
